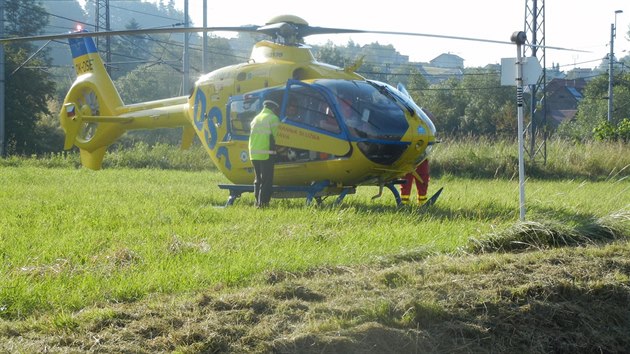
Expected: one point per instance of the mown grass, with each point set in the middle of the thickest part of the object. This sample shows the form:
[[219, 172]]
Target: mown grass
[[149, 260]]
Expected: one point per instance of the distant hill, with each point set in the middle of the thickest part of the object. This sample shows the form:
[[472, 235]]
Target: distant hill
[[65, 16]]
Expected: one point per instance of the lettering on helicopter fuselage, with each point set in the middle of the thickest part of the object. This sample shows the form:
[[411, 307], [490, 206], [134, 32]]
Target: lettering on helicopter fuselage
[[283, 135], [222, 151], [286, 132], [84, 66], [207, 123]]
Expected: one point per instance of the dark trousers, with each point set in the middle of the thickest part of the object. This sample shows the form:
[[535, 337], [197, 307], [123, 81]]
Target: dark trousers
[[263, 183]]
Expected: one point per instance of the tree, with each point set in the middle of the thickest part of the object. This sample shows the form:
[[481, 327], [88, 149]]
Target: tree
[[330, 54], [591, 119], [65, 16], [128, 52], [24, 17], [146, 83], [149, 82], [476, 105], [442, 101], [219, 54], [489, 106], [417, 86], [27, 87]]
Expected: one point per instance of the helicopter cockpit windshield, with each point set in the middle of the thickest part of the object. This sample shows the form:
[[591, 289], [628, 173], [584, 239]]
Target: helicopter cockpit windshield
[[366, 112], [371, 115]]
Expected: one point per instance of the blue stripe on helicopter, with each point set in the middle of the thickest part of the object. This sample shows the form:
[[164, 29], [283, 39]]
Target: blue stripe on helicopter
[[81, 46]]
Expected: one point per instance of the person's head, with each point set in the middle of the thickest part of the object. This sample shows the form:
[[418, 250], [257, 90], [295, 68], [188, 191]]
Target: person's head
[[272, 105], [292, 109], [346, 107]]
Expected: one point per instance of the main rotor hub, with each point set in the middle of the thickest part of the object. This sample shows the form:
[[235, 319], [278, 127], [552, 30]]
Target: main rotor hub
[[288, 19], [287, 29]]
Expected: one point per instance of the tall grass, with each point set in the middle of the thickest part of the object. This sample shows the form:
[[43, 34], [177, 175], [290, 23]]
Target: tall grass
[[485, 158], [141, 155], [470, 158]]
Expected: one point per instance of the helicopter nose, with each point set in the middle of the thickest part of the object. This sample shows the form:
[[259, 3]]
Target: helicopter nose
[[425, 135], [425, 138]]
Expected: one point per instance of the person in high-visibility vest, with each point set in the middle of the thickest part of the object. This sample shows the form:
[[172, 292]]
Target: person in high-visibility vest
[[422, 183], [264, 129]]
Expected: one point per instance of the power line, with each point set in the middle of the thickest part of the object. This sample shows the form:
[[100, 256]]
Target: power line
[[144, 13]]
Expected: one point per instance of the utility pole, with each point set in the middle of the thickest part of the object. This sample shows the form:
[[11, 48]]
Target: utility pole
[[186, 68], [204, 52], [102, 23], [611, 62], [535, 29], [2, 83]]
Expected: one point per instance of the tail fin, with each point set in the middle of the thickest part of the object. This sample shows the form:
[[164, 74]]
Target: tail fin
[[92, 94], [94, 115]]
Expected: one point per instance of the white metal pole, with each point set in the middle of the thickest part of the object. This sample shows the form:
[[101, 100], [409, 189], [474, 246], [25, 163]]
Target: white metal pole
[[520, 38], [204, 52]]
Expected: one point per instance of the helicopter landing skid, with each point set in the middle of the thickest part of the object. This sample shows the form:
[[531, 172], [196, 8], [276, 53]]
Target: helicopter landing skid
[[428, 203], [432, 200], [314, 191], [392, 187]]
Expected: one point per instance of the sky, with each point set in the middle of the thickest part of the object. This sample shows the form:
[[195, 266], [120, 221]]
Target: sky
[[574, 24]]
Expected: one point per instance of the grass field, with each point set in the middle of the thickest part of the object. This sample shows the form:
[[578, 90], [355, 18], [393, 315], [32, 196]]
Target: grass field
[[150, 260]]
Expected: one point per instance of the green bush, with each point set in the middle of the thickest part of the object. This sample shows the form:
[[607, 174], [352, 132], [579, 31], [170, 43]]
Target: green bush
[[623, 130], [606, 131]]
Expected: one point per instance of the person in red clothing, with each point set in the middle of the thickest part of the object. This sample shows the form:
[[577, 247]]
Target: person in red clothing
[[422, 183]]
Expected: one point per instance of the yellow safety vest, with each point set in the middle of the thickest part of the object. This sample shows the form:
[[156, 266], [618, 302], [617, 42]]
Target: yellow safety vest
[[264, 128]]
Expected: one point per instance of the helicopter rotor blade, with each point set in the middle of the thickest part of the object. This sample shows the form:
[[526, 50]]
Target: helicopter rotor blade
[[300, 29], [323, 30], [134, 32]]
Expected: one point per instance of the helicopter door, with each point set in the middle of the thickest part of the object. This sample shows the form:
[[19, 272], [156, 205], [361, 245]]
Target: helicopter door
[[309, 108], [241, 112], [309, 125]]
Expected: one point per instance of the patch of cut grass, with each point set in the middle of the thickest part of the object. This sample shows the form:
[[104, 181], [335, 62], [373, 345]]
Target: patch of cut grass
[[526, 236]]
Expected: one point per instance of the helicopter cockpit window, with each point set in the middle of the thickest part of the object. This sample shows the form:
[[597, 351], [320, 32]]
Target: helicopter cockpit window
[[309, 107], [371, 114], [241, 114], [367, 112]]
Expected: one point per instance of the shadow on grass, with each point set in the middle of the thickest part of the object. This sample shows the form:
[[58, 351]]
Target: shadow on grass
[[553, 319], [478, 212]]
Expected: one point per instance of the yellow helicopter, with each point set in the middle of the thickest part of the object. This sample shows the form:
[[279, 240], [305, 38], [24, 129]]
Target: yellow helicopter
[[338, 129]]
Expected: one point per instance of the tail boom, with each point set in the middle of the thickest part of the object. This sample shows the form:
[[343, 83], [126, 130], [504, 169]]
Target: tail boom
[[94, 115]]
